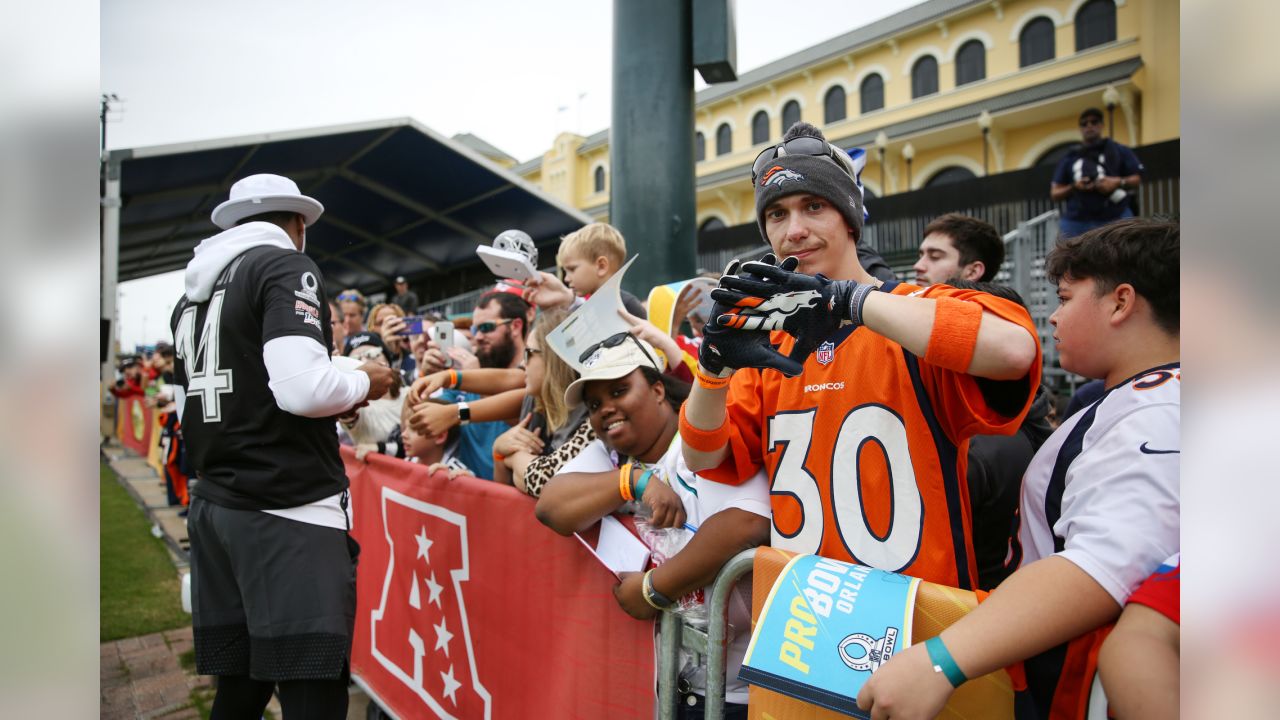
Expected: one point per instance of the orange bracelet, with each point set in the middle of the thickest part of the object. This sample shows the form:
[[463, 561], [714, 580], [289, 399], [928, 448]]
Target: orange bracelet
[[624, 482], [703, 440], [453, 379], [498, 457], [711, 382]]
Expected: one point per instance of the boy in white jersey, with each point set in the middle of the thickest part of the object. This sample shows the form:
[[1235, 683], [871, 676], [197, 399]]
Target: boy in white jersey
[[1100, 501]]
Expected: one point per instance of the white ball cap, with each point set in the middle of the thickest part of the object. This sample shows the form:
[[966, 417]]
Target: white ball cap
[[265, 193], [611, 363]]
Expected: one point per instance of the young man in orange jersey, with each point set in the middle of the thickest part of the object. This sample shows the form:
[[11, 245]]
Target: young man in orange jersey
[[863, 422]]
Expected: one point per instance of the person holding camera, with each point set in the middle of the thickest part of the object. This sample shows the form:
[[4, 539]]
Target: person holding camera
[[1098, 180]]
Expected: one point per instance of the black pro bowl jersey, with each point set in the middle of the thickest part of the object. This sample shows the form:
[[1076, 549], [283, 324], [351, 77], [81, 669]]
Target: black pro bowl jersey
[[249, 454]]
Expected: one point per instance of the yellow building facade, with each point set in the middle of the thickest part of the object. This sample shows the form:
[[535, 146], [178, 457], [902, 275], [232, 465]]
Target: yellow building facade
[[916, 89]]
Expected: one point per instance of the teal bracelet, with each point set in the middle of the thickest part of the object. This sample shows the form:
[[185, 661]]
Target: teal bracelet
[[943, 662], [637, 490]]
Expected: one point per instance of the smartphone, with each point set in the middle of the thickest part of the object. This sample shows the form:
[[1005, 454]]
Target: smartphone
[[412, 325], [444, 334]]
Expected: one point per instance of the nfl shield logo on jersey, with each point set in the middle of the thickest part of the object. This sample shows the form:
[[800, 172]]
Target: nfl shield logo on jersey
[[825, 353]]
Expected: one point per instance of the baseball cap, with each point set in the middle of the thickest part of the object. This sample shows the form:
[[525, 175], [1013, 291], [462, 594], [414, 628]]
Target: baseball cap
[[616, 356], [400, 279], [264, 193], [363, 338]]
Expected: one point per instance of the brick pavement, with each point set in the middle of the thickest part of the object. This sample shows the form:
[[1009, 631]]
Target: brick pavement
[[142, 677]]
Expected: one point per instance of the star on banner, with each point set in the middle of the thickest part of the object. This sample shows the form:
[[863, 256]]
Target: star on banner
[[443, 636], [450, 686], [434, 588], [424, 545]]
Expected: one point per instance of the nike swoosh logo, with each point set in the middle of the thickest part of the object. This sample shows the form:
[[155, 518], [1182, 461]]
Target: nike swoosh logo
[[1143, 447]]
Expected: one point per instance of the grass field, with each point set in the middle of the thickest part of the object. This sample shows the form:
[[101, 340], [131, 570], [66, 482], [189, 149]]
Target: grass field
[[139, 587]]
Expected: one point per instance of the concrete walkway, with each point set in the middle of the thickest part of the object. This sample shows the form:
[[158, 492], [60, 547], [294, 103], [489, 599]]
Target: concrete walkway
[[143, 677]]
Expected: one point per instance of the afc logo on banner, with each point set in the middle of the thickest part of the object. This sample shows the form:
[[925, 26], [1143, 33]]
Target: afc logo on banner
[[419, 632]]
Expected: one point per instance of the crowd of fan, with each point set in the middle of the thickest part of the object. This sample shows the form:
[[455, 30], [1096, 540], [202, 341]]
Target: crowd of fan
[[490, 399]]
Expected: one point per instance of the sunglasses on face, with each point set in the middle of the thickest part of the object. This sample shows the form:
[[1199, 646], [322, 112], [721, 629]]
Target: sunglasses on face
[[488, 327], [796, 146], [616, 340]]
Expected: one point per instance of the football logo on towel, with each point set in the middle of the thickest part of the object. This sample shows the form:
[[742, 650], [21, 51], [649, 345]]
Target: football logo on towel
[[872, 653]]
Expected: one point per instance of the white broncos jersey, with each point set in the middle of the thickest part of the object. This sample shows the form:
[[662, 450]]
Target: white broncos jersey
[[1103, 491]]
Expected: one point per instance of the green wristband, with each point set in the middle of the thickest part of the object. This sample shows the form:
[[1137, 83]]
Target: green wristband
[[943, 662], [637, 490]]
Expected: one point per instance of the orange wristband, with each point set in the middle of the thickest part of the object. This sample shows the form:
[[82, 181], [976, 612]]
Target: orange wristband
[[710, 382], [624, 482], [955, 334], [703, 440], [453, 379], [498, 457]]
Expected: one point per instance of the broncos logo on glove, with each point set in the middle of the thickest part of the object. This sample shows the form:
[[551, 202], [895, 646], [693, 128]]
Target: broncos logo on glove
[[771, 313], [770, 295], [725, 350]]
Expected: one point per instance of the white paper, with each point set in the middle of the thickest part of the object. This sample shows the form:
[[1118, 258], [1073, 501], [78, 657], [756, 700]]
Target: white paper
[[616, 548], [596, 320]]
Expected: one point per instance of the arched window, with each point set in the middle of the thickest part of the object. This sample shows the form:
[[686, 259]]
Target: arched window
[[599, 179], [1036, 42], [834, 106], [711, 223], [871, 93], [924, 77], [971, 62], [724, 139], [699, 147], [790, 115], [948, 175], [759, 128], [1054, 155], [1095, 24]]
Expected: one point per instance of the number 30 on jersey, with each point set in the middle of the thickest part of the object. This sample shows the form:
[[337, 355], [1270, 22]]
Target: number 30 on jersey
[[205, 379], [867, 428]]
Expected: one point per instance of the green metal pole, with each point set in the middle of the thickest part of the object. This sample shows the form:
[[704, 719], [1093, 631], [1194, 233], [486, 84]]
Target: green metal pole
[[651, 196]]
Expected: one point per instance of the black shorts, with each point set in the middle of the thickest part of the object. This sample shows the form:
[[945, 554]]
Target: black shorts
[[272, 598]]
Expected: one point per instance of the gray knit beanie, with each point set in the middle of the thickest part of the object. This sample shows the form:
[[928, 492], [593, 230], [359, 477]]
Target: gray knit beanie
[[815, 175]]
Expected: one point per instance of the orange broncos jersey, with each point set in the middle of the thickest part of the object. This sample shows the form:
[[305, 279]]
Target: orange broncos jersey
[[866, 449]]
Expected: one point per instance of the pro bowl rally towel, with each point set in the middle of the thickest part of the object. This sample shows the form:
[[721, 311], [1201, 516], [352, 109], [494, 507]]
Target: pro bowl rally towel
[[825, 627], [936, 607]]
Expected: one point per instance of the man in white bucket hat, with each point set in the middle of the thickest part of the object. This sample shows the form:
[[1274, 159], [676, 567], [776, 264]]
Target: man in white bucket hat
[[272, 565]]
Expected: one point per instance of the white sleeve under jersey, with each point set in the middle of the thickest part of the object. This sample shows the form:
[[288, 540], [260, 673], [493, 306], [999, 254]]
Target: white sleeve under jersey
[[1103, 491], [304, 380]]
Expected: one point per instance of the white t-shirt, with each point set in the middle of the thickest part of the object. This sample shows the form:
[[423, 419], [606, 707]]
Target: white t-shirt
[[702, 499], [1103, 491]]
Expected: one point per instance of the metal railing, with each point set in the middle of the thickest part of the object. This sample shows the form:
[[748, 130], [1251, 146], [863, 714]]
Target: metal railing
[[709, 645]]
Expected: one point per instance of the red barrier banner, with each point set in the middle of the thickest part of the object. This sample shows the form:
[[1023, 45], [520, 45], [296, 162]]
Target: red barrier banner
[[468, 607], [134, 424]]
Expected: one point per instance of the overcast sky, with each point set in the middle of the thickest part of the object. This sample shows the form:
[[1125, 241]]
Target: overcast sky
[[514, 72]]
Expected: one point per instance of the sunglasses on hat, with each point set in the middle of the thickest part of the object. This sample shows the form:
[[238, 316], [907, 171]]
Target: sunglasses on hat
[[796, 146], [614, 341]]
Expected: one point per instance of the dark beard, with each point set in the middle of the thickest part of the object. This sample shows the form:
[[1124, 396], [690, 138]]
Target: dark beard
[[498, 355]]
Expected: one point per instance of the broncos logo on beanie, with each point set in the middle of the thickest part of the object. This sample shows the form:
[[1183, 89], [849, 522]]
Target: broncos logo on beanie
[[776, 176]]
